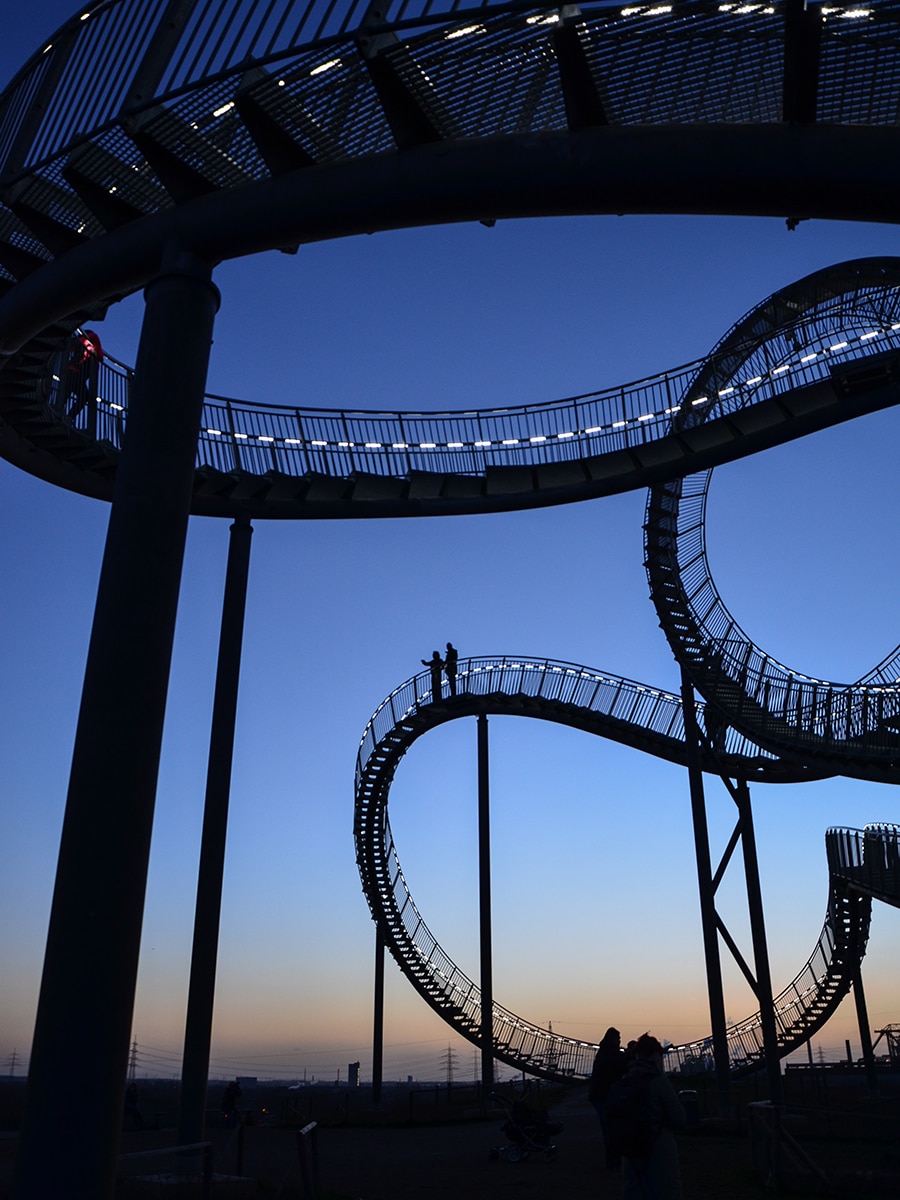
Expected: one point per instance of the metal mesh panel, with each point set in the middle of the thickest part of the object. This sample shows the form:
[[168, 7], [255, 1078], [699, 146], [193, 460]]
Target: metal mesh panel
[[687, 62], [108, 49], [854, 55]]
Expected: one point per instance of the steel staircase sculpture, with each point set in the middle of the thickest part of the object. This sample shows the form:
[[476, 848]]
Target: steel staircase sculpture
[[245, 126], [625, 711]]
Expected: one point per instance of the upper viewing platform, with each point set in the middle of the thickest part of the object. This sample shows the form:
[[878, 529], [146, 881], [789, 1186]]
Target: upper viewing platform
[[268, 123]]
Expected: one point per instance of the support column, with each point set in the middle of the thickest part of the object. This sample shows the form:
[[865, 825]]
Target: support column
[[204, 955], [865, 1033], [760, 944], [79, 1058], [378, 1030], [484, 888], [707, 899]]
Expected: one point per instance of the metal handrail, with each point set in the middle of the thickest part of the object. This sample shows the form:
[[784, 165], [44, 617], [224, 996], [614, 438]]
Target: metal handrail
[[157, 50], [632, 703]]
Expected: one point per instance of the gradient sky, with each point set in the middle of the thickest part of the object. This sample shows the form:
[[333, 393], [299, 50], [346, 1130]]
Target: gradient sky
[[596, 916]]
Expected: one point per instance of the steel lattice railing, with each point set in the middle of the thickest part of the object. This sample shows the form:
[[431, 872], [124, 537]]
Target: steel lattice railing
[[257, 439]]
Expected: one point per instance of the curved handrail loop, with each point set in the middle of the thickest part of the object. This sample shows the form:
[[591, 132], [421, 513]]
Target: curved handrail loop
[[607, 705], [850, 728], [834, 357]]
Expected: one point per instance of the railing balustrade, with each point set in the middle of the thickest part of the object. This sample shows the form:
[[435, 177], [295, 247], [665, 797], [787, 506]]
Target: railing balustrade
[[263, 439], [867, 858]]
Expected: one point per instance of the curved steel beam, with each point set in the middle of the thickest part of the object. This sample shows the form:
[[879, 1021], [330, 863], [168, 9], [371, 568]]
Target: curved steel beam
[[835, 172]]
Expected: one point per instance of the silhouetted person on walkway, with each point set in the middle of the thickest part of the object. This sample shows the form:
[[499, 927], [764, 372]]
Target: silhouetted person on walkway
[[436, 665], [609, 1066], [642, 1114], [450, 666]]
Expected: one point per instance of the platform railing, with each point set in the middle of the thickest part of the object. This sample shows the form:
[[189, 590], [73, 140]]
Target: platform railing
[[420, 949], [266, 439], [780, 702], [780, 706], [567, 683], [868, 859]]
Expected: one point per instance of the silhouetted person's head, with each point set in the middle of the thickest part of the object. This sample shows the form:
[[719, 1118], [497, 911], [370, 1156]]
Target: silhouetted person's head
[[612, 1037], [649, 1048]]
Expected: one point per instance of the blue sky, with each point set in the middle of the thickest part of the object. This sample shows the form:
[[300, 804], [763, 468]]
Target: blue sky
[[595, 897]]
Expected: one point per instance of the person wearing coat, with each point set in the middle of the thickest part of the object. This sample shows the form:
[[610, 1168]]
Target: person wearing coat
[[609, 1067]]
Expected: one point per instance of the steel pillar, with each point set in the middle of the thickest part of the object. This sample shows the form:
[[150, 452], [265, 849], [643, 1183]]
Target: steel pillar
[[865, 1033], [79, 1058], [378, 1023], [707, 899], [760, 944], [484, 889], [202, 986]]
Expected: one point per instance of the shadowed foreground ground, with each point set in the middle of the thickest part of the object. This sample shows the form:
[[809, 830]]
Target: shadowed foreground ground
[[859, 1153]]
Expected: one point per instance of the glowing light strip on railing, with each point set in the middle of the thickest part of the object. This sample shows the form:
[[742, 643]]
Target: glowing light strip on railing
[[292, 443]]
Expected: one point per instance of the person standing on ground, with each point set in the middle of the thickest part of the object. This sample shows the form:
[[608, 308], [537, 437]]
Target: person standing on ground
[[609, 1067], [450, 662]]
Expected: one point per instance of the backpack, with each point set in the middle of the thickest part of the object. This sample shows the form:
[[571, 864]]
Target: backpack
[[627, 1125]]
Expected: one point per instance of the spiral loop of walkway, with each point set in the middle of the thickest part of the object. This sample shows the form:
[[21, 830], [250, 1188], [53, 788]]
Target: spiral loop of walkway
[[632, 714], [848, 728]]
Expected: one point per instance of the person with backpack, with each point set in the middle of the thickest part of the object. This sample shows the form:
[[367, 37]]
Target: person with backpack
[[641, 1116]]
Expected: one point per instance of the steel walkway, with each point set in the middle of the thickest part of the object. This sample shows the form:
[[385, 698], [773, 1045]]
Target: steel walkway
[[818, 353], [649, 720]]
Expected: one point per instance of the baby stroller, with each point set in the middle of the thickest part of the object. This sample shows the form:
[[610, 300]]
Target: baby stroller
[[527, 1130]]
